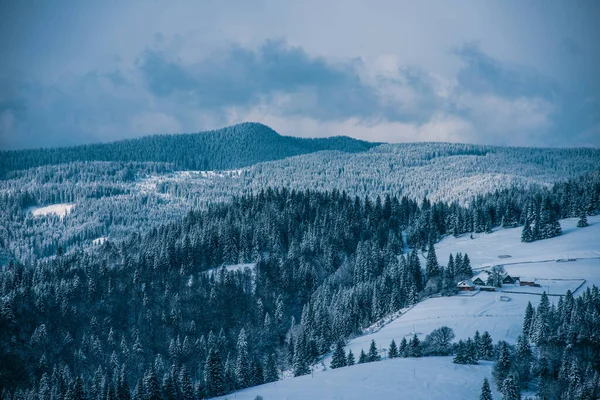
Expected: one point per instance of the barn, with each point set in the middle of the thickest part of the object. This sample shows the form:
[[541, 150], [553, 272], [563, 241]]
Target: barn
[[466, 286], [527, 282], [510, 280], [478, 281]]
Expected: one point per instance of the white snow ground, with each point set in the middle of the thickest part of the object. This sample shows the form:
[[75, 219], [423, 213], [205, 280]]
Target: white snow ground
[[61, 209], [400, 378], [485, 249]]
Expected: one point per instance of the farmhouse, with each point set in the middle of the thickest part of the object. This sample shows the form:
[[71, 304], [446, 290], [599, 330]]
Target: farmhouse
[[510, 280], [528, 282], [478, 281], [466, 286]]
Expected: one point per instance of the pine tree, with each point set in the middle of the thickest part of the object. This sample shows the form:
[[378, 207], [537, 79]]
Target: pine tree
[[486, 347], [213, 373], [338, 359], [414, 347], [373, 354], [350, 359], [510, 390], [432, 266], [527, 234], [242, 367], [477, 344], [187, 388], [393, 350], [486, 392], [363, 357], [403, 349], [270, 371], [528, 319], [502, 366], [583, 222], [152, 386], [300, 363], [523, 359]]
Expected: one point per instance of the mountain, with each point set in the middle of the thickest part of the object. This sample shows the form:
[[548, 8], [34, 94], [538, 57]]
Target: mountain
[[231, 147]]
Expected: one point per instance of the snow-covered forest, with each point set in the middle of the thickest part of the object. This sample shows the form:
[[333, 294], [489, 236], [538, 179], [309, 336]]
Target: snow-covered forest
[[178, 276]]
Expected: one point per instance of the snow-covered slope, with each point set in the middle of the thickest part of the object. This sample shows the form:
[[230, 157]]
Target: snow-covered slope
[[486, 310], [406, 378], [439, 377], [485, 249]]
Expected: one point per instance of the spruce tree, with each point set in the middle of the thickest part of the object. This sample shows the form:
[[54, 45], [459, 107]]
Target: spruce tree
[[242, 367], [414, 347], [393, 350], [510, 389], [486, 391], [270, 371], [486, 347], [350, 359], [403, 349], [300, 362], [213, 373], [583, 222], [338, 359], [526, 234], [373, 354], [151, 385], [363, 357], [528, 319], [432, 267], [502, 366]]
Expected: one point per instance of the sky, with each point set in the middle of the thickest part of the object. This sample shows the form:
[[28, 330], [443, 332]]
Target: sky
[[519, 73]]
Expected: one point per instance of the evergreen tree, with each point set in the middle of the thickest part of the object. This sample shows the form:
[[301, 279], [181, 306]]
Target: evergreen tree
[[502, 366], [393, 350], [583, 222], [270, 371], [510, 389], [363, 357], [213, 374], [403, 349], [338, 359], [522, 360], [486, 391], [414, 347], [527, 234], [432, 267], [373, 354], [300, 364], [527, 321], [350, 359], [187, 388], [242, 367], [486, 347], [152, 386]]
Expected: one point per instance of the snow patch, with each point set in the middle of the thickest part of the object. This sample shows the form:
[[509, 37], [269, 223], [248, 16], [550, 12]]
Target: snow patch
[[61, 209]]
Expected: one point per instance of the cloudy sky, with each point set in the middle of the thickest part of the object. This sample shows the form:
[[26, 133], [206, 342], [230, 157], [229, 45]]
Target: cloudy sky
[[505, 72]]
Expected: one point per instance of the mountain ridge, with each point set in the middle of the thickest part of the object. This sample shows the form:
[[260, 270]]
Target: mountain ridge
[[231, 147]]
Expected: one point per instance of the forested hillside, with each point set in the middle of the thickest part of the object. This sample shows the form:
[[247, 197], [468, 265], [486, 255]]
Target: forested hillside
[[152, 316], [232, 147]]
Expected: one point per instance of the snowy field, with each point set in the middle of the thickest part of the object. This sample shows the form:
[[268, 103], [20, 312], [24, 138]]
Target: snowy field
[[484, 250], [404, 378], [464, 314], [61, 210]]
